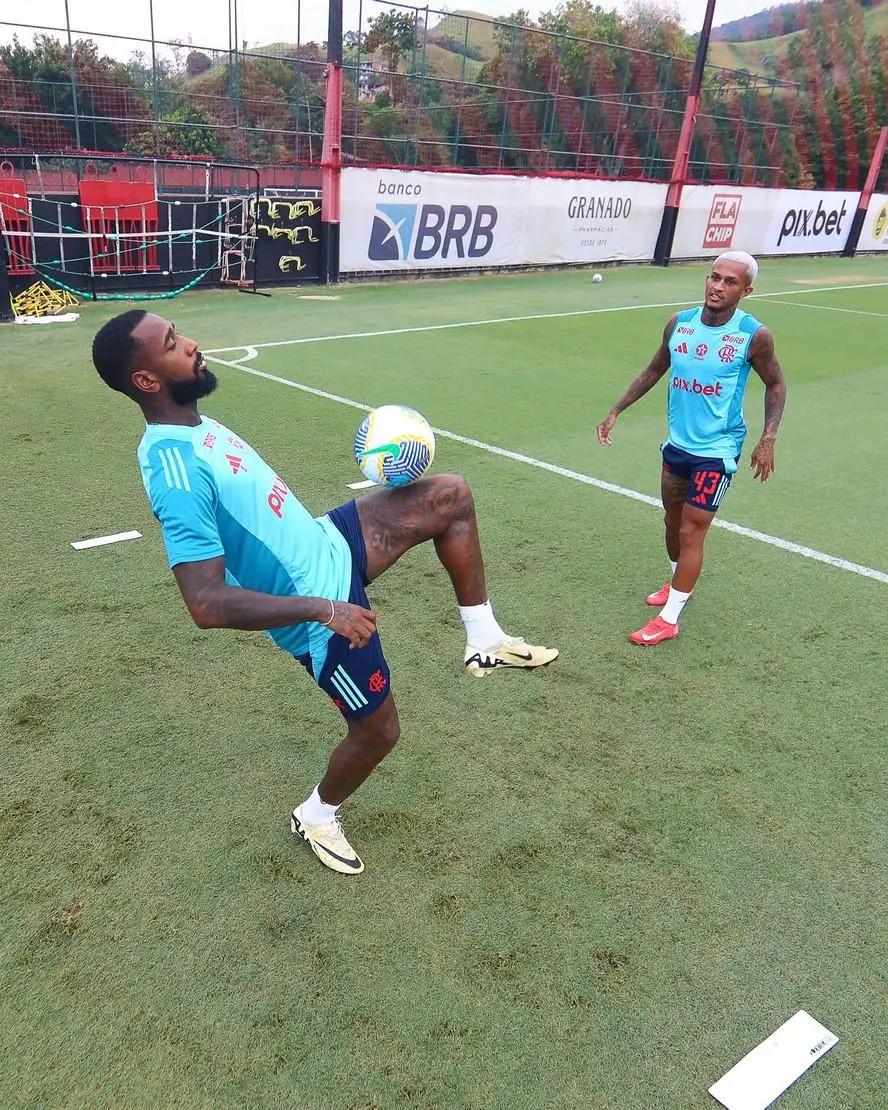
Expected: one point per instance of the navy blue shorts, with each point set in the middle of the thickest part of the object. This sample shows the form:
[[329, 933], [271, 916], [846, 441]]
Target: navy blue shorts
[[707, 479], [356, 679]]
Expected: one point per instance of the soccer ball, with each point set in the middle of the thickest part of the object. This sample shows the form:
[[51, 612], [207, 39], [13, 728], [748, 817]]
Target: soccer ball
[[394, 445], [596, 278]]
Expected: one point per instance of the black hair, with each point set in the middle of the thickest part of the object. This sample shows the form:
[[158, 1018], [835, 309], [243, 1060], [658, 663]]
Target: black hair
[[113, 349]]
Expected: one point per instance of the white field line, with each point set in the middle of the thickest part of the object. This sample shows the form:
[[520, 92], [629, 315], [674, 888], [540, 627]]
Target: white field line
[[575, 475], [835, 308], [253, 347]]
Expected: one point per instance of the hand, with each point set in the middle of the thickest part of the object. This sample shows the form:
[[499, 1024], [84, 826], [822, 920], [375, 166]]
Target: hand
[[604, 428], [353, 622], [762, 459]]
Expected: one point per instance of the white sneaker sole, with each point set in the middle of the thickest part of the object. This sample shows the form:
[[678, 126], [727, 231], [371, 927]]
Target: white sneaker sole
[[326, 855], [479, 672]]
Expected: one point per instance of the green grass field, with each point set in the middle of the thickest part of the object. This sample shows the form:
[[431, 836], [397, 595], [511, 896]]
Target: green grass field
[[594, 886]]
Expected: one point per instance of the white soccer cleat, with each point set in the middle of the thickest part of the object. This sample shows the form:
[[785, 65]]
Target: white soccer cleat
[[512, 652], [328, 843]]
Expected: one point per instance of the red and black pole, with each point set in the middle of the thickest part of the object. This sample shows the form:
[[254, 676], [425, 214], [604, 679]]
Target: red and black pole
[[6, 313], [866, 196], [663, 249], [331, 157]]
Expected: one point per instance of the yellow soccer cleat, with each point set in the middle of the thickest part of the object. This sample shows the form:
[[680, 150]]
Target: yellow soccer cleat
[[513, 652], [328, 843]]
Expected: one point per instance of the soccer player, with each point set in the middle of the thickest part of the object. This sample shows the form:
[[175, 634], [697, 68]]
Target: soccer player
[[247, 554], [708, 352]]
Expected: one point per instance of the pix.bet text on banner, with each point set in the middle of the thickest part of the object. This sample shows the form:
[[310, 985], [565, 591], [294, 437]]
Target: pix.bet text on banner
[[716, 218], [874, 236], [410, 220], [810, 221]]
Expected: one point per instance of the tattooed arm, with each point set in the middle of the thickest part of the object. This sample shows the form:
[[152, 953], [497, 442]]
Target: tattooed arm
[[764, 361], [645, 381], [213, 603]]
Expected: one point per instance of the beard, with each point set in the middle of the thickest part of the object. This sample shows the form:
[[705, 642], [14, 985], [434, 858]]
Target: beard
[[187, 392]]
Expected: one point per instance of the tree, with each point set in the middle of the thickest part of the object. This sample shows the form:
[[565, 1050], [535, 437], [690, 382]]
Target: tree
[[197, 62], [655, 25], [584, 20], [183, 131], [393, 33], [103, 86]]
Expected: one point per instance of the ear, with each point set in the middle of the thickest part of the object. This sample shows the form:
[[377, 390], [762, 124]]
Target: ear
[[746, 291], [144, 381]]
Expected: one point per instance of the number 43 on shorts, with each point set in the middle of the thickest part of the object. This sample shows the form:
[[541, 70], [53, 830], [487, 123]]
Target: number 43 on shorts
[[708, 488]]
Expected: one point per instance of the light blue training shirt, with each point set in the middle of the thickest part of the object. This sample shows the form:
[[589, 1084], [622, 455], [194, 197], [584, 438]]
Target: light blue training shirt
[[707, 379], [214, 495]]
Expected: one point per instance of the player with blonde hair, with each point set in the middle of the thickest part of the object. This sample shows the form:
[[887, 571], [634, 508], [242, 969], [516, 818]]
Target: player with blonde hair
[[708, 353]]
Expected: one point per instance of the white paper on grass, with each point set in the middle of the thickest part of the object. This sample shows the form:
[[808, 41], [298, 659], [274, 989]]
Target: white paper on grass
[[766, 1072], [100, 541], [64, 318]]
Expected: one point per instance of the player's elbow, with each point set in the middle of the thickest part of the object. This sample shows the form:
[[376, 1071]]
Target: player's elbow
[[205, 614]]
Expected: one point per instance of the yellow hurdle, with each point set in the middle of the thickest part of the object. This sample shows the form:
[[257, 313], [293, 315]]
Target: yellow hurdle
[[40, 300]]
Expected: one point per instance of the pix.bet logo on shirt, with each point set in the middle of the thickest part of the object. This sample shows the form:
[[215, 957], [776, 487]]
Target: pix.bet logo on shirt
[[723, 217]]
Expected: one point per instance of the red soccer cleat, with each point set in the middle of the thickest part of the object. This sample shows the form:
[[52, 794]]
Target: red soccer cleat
[[659, 598], [655, 632]]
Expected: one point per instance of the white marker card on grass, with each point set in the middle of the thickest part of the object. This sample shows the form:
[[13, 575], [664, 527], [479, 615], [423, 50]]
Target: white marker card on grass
[[766, 1072], [100, 541]]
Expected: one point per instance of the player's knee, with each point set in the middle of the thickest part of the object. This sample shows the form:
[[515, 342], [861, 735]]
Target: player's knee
[[388, 732], [386, 728], [692, 533], [454, 496]]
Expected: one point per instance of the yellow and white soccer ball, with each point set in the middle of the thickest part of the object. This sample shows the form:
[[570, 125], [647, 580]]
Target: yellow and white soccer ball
[[394, 445]]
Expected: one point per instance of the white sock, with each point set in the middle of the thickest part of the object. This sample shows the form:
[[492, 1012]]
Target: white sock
[[673, 564], [671, 611], [316, 811], [482, 630]]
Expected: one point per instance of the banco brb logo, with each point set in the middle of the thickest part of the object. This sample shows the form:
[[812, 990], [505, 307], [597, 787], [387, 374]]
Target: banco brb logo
[[424, 231]]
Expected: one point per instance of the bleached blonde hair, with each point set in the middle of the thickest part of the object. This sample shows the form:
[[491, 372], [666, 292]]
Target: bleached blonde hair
[[752, 267]]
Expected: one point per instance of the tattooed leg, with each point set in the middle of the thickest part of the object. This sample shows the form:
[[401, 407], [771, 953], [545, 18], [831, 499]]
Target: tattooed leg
[[673, 491], [439, 508]]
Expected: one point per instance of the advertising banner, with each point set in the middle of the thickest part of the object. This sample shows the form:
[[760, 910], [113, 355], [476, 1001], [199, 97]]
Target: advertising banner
[[582, 220], [717, 218], [808, 221], [874, 236], [411, 220], [414, 220]]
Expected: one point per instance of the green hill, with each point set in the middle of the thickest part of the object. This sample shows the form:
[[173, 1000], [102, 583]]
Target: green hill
[[461, 41], [466, 32], [763, 55], [775, 20]]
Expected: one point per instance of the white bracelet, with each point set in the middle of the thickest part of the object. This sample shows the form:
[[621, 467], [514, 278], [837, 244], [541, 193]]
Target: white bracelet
[[327, 624]]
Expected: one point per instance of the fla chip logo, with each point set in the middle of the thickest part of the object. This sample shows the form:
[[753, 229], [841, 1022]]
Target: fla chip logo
[[723, 217], [392, 232], [880, 224]]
